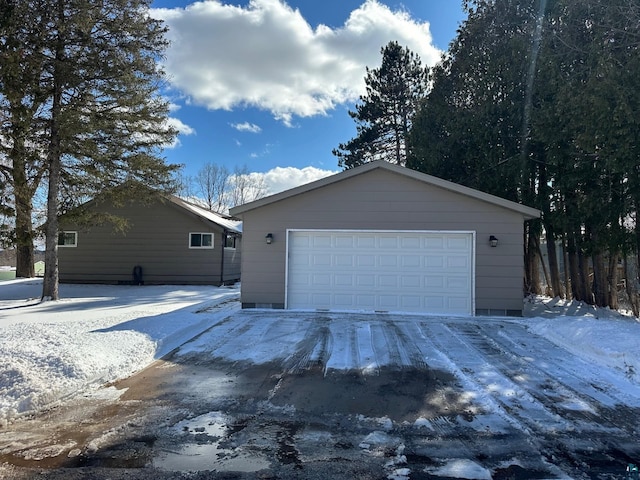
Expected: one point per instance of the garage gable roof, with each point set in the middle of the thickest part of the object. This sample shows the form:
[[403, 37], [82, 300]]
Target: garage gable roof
[[527, 212]]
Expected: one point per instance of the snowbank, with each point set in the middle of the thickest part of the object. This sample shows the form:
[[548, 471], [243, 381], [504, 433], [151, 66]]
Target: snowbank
[[97, 334], [609, 342]]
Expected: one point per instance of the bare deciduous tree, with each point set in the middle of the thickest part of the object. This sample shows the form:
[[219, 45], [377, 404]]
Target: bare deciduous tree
[[245, 187], [212, 183]]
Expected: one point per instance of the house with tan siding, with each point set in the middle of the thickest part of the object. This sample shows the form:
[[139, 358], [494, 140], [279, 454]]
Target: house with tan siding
[[167, 240], [384, 238]]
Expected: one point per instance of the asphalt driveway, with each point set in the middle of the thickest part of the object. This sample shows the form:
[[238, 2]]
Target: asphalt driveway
[[294, 395]]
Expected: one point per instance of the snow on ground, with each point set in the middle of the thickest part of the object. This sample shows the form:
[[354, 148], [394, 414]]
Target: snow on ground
[[96, 334], [597, 335], [100, 333]]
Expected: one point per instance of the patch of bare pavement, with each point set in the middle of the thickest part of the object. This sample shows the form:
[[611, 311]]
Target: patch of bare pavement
[[479, 399]]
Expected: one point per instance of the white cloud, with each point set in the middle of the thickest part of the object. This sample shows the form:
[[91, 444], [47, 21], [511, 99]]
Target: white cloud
[[266, 55], [283, 178], [181, 127], [246, 127]]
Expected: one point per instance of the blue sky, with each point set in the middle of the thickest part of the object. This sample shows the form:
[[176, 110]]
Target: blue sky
[[267, 84]]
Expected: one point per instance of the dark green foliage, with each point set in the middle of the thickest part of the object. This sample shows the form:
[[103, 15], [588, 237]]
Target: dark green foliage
[[567, 145], [384, 115], [468, 129], [81, 103]]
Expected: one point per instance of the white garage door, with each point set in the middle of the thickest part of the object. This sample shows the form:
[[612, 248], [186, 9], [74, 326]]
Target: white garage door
[[429, 272]]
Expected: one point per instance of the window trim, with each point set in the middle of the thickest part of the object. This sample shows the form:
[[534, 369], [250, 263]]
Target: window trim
[[62, 233], [235, 240], [201, 247]]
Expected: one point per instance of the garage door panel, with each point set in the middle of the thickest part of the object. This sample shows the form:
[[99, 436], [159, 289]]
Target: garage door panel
[[434, 303], [365, 241], [407, 242], [301, 279], [388, 242], [410, 281], [433, 261], [300, 261], [365, 280], [343, 301], [321, 259], [300, 241], [388, 261], [343, 260], [455, 283], [388, 302], [411, 261], [390, 281], [321, 241], [365, 260], [458, 261], [366, 302], [342, 280], [458, 243], [393, 271], [323, 300], [411, 303], [321, 280], [434, 243], [458, 304], [434, 283]]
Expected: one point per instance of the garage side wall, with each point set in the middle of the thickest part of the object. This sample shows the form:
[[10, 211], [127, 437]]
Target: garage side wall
[[157, 240], [383, 200]]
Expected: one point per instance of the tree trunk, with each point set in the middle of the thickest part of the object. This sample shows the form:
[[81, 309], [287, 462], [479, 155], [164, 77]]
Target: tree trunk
[[565, 257], [54, 161], [25, 256], [532, 269], [577, 279], [600, 282], [632, 284], [50, 282], [586, 291], [612, 281], [554, 271], [547, 280], [637, 259]]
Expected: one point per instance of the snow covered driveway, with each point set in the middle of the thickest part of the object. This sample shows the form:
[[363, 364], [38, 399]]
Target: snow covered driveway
[[280, 394], [513, 396]]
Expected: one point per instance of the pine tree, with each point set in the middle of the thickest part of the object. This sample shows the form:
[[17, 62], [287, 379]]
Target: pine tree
[[385, 113], [21, 96], [101, 118]]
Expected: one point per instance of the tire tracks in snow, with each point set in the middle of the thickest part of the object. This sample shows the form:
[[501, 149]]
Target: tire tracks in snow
[[314, 348], [499, 394], [569, 396]]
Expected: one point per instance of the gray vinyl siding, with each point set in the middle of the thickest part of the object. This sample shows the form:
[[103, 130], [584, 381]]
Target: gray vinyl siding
[[157, 240], [383, 200], [232, 262]]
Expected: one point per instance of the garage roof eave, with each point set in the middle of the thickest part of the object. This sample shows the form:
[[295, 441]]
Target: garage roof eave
[[528, 213]]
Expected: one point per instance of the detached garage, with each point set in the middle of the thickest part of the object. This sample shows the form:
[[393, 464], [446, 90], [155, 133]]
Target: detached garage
[[383, 238]]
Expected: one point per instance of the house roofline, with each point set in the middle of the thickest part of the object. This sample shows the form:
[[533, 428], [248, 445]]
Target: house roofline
[[528, 212], [221, 220]]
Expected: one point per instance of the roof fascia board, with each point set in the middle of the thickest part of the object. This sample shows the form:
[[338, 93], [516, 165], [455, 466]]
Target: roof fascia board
[[528, 212]]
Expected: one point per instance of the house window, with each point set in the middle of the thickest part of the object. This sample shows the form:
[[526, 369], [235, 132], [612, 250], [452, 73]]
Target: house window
[[68, 239], [201, 240], [230, 241]]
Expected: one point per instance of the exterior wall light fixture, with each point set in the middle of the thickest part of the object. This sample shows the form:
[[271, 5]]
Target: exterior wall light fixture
[[493, 241], [269, 238]]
